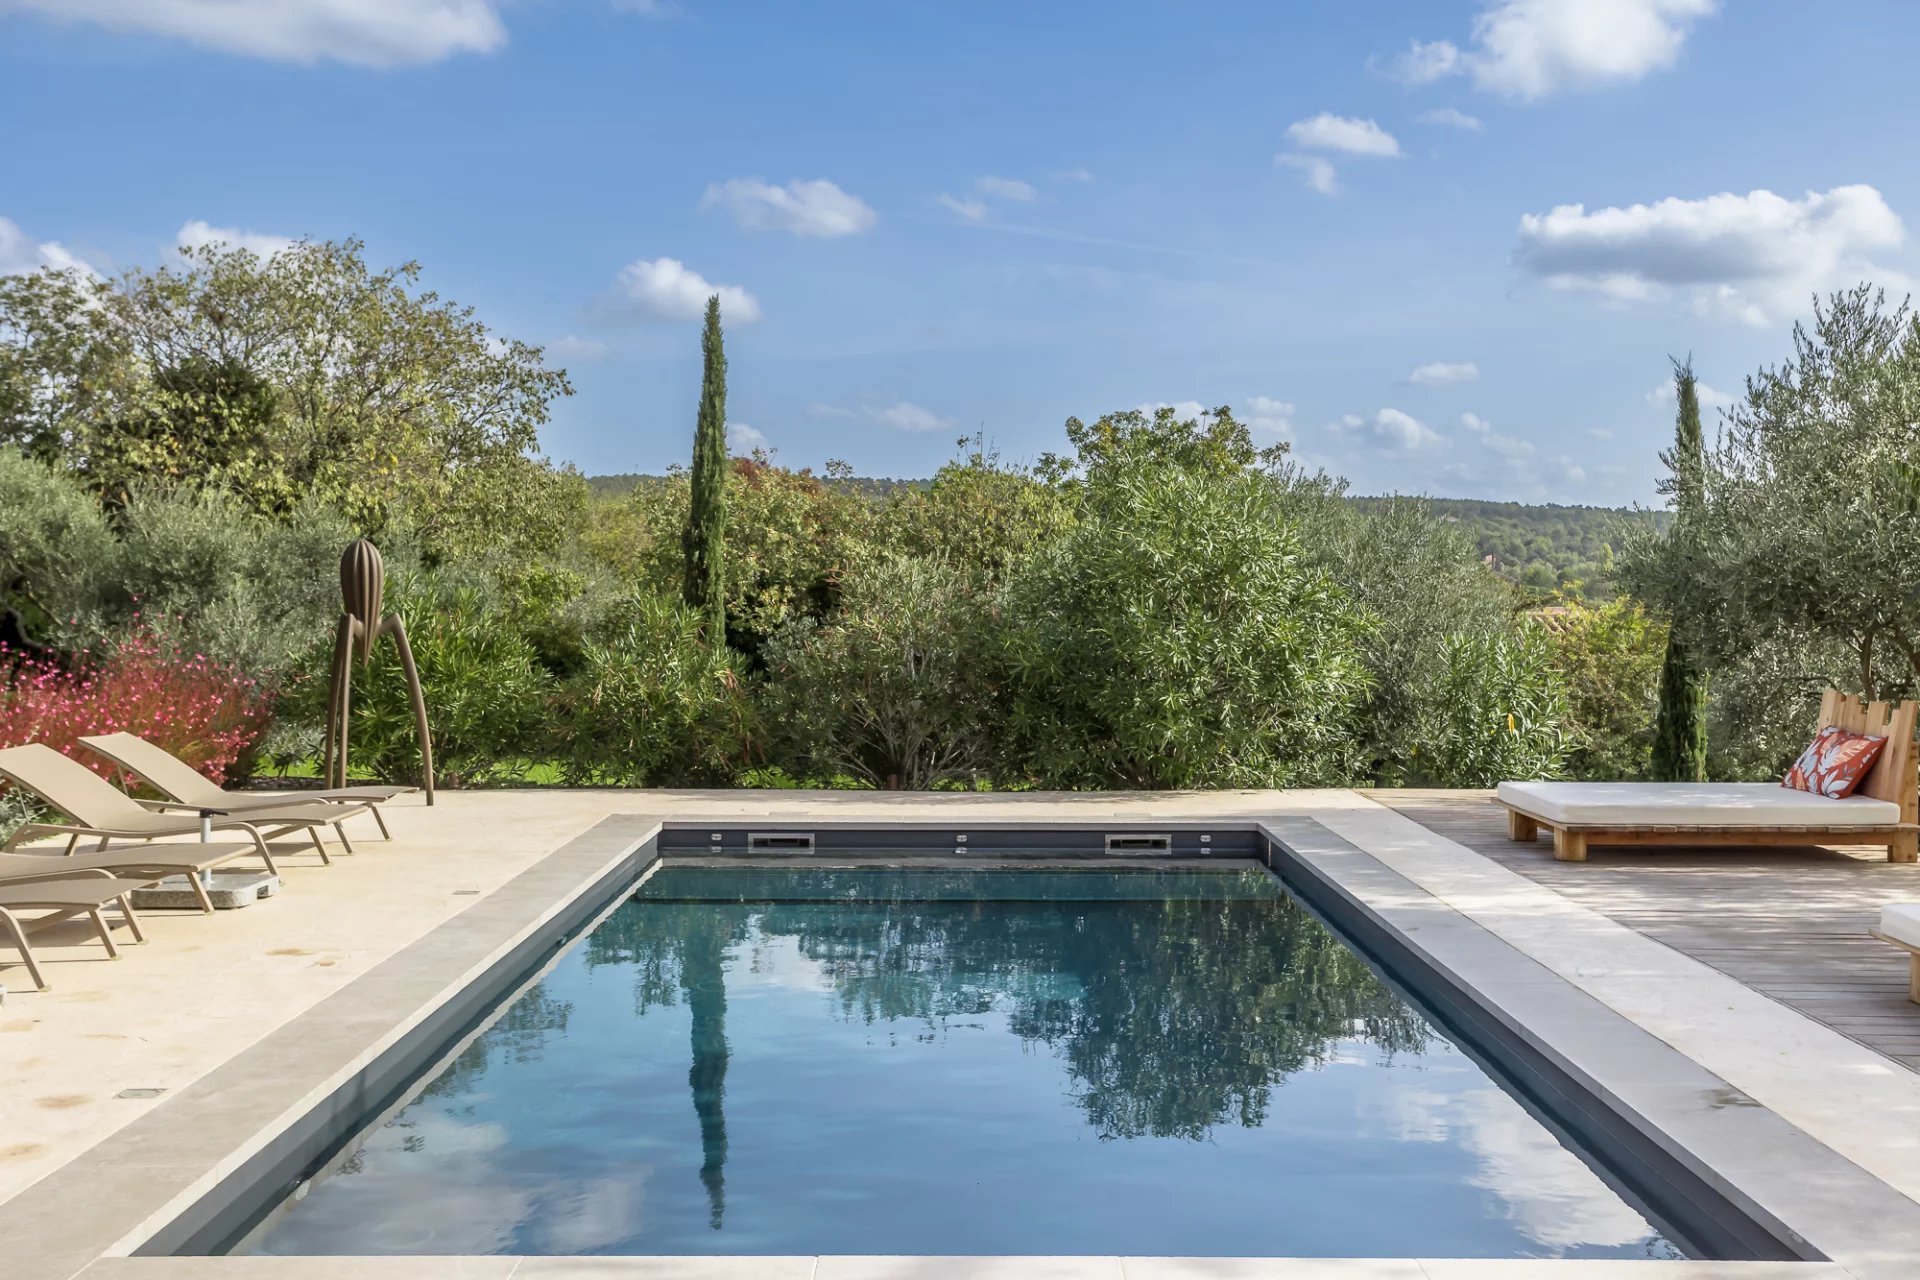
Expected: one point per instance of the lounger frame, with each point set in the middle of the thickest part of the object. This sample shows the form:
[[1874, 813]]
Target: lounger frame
[[1892, 778]]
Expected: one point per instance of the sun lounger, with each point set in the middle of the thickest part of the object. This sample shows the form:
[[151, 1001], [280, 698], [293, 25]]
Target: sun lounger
[[97, 809], [147, 862], [79, 895], [1900, 925], [188, 788], [1882, 812]]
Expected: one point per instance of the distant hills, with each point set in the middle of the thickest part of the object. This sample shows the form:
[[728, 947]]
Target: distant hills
[[1545, 545], [1542, 546]]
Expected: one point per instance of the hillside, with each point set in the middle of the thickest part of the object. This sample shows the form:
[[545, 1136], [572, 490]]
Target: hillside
[[1546, 545]]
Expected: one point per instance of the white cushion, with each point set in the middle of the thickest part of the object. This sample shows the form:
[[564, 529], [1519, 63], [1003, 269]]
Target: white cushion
[[1692, 804], [1901, 922]]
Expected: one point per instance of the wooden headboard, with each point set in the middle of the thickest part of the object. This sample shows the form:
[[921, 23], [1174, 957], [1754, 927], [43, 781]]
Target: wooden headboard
[[1892, 776]]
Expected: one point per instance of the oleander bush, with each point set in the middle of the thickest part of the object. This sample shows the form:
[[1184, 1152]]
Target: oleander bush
[[1179, 635], [898, 688], [1500, 712], [651, 703]]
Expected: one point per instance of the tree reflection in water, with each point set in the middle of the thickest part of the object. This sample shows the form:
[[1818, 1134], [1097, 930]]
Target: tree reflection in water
[[1171, 1015]]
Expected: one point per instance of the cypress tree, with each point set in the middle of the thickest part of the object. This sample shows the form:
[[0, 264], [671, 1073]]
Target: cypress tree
[[1680, 731], [705, 534]]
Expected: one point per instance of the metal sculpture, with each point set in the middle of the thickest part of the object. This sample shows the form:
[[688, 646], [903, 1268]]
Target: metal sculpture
[[362, 580]]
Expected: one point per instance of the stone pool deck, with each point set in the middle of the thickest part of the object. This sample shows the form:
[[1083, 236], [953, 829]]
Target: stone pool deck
[[133, 1086]]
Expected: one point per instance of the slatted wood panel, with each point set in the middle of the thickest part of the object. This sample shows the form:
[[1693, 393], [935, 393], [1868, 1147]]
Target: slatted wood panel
[[1790, 923]]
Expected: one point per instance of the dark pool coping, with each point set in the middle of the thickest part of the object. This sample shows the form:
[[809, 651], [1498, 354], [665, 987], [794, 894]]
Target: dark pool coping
[[173, 1178]]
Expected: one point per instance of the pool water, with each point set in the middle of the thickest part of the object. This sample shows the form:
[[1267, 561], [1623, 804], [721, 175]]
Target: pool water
[[933, 1061]]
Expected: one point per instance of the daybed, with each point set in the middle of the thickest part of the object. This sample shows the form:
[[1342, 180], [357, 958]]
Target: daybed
[[1882, 811], [1900, 925]]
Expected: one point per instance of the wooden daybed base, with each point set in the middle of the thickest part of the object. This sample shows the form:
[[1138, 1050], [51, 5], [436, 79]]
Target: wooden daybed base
[[1570, 843], [1892, 778]]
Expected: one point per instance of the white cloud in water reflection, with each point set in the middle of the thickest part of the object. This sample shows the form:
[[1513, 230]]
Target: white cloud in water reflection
[[1550, 1196]]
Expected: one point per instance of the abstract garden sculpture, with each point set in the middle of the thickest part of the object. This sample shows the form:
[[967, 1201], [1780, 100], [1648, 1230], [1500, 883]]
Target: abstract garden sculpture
[[362, 580]]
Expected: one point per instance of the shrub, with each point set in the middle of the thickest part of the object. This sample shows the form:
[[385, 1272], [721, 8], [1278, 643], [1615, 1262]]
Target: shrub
[[1425, 588], [1179, 637], [250, 591], [485, 692], [651, 703], [1609, 659], [1497, 714], [789, 540], [205, 712], [56, 551], [893, 689], [981, 516]]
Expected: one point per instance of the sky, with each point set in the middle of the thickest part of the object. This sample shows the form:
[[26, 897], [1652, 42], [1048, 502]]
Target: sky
[[1436, 246]]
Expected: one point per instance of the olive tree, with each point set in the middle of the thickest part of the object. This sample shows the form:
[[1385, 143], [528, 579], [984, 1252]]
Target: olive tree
[[1803, 528]]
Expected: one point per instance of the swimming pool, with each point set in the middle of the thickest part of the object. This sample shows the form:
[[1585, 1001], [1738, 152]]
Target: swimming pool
[[926, 1060]]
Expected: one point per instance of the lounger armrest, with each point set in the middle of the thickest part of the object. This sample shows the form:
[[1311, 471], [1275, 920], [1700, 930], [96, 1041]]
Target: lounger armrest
[[175, 806], [31, 830], [53, 873]]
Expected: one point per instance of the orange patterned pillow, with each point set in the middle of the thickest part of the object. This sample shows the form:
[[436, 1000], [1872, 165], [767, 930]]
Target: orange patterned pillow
[[1835, 763]]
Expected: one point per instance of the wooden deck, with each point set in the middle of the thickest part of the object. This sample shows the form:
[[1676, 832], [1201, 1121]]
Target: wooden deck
[[1790, 923]]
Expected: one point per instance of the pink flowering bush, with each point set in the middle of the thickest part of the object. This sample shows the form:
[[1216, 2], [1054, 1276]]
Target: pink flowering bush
[[205, 712]]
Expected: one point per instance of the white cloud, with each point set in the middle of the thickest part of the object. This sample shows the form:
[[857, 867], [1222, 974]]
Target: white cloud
[[816, 208], [1183, 410], [1264, 413], [819, 409], [1346, 134], [1549, 1196], [1318, 173], [1751, 257], [197, 234], [1452, 118], [1600, 433], [1422, 63], [743, 439], [1388, 431], [1440, 374], [664, 289], [21, 253], [971, 210], [1077, 174], [1492, 441], [578, 349], [372, 33], [904, 415], [1710, 397], [1005, 189], [1532, 48]]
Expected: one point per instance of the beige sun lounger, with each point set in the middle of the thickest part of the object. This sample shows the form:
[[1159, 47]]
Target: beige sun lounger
[[180, 782], [1884, 811], [79, 895], [148, 862], [97, 809]]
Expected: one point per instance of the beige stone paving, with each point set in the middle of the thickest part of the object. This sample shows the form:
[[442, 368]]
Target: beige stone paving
[[207, 988]]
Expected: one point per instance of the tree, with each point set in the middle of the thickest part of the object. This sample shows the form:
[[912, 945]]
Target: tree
[[703, 543], [302, 374], [1803, 528], [1680, 726], [1179, 635]]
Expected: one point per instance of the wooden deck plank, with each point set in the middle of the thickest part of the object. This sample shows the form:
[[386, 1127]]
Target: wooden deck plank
[[1790, 923]]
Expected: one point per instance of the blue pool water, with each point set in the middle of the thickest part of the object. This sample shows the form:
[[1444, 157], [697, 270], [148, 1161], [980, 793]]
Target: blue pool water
[[932, 1061]]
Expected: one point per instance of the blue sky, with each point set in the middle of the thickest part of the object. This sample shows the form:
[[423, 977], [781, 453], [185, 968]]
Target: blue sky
[[1440, 247]]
